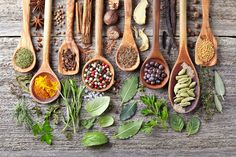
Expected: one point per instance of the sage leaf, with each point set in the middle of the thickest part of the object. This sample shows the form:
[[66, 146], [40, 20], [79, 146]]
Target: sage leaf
[[129, 89], [95, 138], [128, 111], [219, 85], [129, 129], [177, 123], [97, 106], [105, 121], [193, 126], [217, 103]]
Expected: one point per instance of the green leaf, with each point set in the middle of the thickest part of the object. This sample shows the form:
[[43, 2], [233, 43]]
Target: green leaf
[[105, 121], [88, 123], [147, 127], [36, 129], [97, 106], [176, 122], [219, 85], [146, 111], [193, 126], [129, 129], [47, 138], [46, 127], [164, 113], [94, 139], [217, 103], [129, 89], [128, 111]]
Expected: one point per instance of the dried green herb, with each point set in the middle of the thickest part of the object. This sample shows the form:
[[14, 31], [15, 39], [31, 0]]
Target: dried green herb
[[128, 111], [94, 139], [37, 110], [24, 81], [129, 89], [88, 123], [24, 58], [193, 126], [105, 121], [219, 85], [176, 122], [53, 112], [218, 103]]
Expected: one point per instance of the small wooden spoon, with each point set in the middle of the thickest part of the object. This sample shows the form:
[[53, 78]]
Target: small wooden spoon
[[183, 57], [45, 68], [128, 39], [25, 41], [155, 54], [69, 42], [99, 46], [206, 33]]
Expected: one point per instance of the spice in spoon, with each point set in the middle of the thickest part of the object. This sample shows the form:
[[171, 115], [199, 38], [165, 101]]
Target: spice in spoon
[[205, 50], [45, 86], [97, 75], [68, 60], [24, 58], [127, 57]]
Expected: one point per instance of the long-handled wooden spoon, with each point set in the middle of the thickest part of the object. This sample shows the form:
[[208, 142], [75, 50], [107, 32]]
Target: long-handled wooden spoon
[[206, 33], [128, 41], [25, 41], [69, 43], [45, 68], [183, 57], [99, 46], [155, 54]]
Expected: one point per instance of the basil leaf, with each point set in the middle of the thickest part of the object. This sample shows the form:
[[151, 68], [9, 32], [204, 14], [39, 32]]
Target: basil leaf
[[94, 139], [176, 122], [47, 138], [219, 85], [193, 126], [129, 129], [128, 111], [88, 123], [97, 106], [129, 89], [105, 121], [217, 103]]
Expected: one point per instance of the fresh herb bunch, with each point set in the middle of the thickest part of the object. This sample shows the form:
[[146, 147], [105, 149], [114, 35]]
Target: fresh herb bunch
[[72, 97], [23, 115], [44, 131], [157, 108]]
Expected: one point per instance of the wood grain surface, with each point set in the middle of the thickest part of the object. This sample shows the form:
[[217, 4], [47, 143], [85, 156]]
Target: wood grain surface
[[216, 138]]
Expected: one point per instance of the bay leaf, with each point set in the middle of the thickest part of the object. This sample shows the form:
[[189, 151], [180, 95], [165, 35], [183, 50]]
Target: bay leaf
[[217, 103], [97, 106], [177, 123], [193, 126], [94, 139], [219, 85], [129, 89], [128, 111], [129, 129], [105, 121]]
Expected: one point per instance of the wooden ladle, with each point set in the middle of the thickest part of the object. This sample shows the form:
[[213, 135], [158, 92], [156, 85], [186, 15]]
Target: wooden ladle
[[69, 42], [99, 46], [183, 57], [206, 33], [25, 41], [155, 54], [45, 68], [128, 39]]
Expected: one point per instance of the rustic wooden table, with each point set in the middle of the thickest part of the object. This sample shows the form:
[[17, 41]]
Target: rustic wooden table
[[216, 138]]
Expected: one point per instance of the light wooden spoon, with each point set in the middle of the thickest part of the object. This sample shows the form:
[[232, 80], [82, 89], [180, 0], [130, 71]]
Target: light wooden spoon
[[155, 54], [128, 39], [206, 33], [69, 42], [183, 57], [25, 41], [99, 46], [45, 68]]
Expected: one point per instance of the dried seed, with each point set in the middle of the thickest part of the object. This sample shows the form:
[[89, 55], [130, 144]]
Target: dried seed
[[184, 94], [192, 85], [185, 104], [182, 72], [187, 99]]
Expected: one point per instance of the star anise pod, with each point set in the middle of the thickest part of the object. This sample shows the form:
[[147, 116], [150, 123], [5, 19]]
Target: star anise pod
[[37, 6], [37, 22]]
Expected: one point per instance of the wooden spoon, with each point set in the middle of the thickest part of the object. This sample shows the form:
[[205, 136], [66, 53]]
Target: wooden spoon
[[206, 33], [183, 57], [155, 54], [45, 68], [25, 41], [99, 46], [69, 42], [128, 39]]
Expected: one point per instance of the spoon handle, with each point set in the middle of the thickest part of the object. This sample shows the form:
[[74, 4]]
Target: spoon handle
[[26, 18], [70, 8], [98, 26], [183, 25], [128, 16], [47, 31], [205, 13], [156, 24]]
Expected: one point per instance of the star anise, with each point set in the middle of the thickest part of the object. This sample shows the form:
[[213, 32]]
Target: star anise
[[37, 22], [37, 6]]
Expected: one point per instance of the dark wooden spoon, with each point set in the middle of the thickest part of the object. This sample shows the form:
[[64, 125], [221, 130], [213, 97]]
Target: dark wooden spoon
[[99, 46], [155, 54], [183, 57]]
